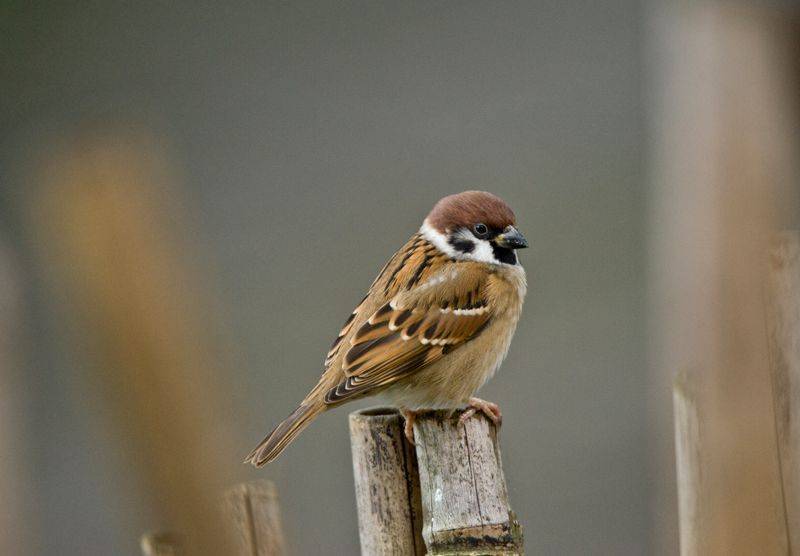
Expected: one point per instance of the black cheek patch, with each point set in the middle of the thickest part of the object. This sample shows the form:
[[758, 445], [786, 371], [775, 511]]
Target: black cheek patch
[[504, 255], [461, 244]]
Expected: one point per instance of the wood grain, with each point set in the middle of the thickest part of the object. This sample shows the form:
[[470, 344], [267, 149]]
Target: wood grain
[[688, 463], [387, 484], [464, 496], [254, 519], [783, 330]]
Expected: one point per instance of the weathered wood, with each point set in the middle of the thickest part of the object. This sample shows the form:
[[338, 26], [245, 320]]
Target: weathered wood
[[688, 463], [387, 484], [160, 544], [464, 496], [254, 519], [783, 330]]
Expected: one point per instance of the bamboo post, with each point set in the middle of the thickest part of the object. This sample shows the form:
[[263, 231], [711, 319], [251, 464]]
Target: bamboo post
[[464, 496], [783, 331], [450, 492], [106, 218], [160, 544], [724, 180], [387, 484], [686, 413], [254, 518]]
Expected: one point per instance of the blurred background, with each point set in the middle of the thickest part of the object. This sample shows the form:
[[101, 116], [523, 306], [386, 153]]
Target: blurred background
[[193, 197]]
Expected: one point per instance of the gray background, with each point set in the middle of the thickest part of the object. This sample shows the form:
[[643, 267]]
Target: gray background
[[312, 139]]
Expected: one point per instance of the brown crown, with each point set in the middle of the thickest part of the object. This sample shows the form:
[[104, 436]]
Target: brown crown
[[468, 208]]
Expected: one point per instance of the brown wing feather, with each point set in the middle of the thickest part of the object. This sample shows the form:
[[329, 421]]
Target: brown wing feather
[[346, 327], [418, 255], [413, 263], [417, 327]]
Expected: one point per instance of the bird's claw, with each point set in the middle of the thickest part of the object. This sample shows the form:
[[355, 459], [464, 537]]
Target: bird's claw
[[408, 427], [491, 410]]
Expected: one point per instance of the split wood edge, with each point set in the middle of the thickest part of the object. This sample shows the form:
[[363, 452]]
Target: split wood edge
[[688, 463]]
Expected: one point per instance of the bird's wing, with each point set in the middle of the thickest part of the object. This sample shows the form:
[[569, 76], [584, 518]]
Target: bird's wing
[[347, 327], [416, 261], [416, 327]]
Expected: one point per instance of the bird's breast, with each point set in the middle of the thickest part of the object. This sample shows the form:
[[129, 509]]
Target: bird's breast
[[452, 380]]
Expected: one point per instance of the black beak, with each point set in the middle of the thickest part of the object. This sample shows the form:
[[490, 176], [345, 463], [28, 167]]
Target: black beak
[[511, 239]]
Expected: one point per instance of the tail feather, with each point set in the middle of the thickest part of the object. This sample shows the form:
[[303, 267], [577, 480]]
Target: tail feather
[[280, 437]]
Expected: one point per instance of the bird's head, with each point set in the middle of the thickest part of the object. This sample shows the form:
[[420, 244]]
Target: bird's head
[[474, 225]]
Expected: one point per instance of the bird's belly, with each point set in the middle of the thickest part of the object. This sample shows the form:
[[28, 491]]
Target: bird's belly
[[451, 381]]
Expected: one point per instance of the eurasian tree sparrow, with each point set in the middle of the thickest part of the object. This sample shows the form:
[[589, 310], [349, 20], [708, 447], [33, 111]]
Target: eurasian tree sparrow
[[434, 326]]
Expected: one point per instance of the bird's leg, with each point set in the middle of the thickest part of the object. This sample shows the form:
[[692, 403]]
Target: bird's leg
[[491, 410], [408, 429]]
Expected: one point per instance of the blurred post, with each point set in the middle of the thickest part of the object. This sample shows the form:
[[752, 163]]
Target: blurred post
[[688, 446], [160, 544], [725, 173], [109, 219], [16, 524], [783, 329], [254, 519]]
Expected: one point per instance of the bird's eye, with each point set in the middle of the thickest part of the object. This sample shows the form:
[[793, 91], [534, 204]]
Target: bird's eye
[[481, 229]]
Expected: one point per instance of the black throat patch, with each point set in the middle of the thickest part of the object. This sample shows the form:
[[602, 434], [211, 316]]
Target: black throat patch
[[504, 255]]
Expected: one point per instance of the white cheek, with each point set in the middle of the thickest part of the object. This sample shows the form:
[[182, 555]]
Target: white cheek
[[483, 252], [437, 239]]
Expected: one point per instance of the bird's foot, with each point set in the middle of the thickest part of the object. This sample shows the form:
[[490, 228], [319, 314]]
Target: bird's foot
[[491, 410], [409, 417]]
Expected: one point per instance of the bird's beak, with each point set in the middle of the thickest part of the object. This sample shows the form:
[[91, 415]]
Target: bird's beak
[[511, 239]]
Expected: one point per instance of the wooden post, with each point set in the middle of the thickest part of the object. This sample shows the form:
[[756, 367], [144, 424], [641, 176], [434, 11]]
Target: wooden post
[[453, 480], [254, 517], [464, 496], [783, 330], [387, 484], [688, 463], [160, 544]]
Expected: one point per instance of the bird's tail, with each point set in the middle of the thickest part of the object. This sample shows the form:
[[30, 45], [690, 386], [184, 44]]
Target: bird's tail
[[280, 437]]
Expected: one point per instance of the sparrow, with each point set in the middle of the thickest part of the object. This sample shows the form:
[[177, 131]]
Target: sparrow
[[434, 326]]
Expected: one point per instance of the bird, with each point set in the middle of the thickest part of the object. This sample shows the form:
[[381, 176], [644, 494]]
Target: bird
[[434, 325]]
